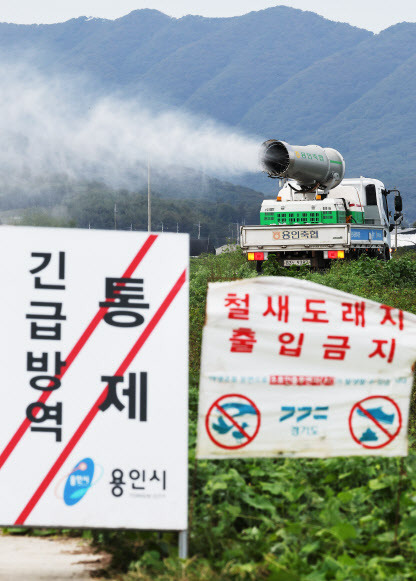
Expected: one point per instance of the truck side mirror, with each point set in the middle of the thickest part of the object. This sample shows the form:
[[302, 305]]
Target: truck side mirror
[[391, 227], [398, 203]]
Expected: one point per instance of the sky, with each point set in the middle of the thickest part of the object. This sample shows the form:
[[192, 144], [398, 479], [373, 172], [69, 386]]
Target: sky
[[374, 15]]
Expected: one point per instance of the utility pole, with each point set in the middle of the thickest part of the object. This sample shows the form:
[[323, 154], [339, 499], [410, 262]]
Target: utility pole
[[149, 203], [199, 230], [162, 226], [237, 225], [115, 216]]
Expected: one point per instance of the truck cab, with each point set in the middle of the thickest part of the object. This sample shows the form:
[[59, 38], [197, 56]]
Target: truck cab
[[366, 199]]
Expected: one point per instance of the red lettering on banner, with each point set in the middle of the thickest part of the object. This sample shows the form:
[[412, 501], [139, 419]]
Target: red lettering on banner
[[282, 312], [354, 313], [315, 312], [300, 380], [287, 338], [334, 351], [388, 318], [243, 340], [379, 349], [239, 306]]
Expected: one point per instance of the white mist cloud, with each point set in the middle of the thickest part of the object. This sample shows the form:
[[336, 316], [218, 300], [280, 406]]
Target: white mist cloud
[[55, 127]]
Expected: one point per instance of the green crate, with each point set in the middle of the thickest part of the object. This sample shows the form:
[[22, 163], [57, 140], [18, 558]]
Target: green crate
[[293, 218]]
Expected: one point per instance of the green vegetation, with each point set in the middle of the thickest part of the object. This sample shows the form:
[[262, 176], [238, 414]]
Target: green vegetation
[[287, 519], [41, 217], [91, 205]]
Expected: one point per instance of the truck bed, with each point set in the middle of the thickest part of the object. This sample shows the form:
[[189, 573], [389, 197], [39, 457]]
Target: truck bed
[[310, 237]]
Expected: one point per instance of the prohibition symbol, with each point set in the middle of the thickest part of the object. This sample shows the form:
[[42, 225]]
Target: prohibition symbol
[[375, 421], [233, 421]]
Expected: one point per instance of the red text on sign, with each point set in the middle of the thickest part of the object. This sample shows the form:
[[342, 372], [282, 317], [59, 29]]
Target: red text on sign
[[354, 313], [380, 352], [243, 340], [288, 338], [238, 307], [311, 309], [388, 316], [337, 349], [282, 308]]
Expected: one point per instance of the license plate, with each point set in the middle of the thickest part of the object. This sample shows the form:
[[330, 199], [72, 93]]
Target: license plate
[[297, 262]]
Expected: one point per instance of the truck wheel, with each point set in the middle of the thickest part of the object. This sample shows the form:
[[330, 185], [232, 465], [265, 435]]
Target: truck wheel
[[259, 266], [385, 254]]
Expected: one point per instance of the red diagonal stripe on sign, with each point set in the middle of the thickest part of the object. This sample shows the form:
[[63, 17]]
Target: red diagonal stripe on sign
[[75, 351], [95, 408]]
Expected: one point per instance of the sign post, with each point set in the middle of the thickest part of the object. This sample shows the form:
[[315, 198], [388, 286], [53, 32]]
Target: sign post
[[292, 368], [183, 544], [94, 344]]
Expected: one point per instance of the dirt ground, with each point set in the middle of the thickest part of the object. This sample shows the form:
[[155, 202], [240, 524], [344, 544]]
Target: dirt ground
[[47, 559]]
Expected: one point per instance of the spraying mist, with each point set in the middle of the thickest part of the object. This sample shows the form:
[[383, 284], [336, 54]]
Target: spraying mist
[[58, 127]]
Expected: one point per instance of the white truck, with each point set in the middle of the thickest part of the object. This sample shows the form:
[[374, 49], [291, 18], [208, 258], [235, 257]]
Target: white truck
[[318, 216]]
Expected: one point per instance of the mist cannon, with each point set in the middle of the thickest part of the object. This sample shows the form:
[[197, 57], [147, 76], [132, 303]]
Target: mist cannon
[[312, 166]]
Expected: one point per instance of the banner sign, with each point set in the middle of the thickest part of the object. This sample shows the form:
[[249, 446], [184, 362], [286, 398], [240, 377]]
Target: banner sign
[[293, 368], [94, 367]]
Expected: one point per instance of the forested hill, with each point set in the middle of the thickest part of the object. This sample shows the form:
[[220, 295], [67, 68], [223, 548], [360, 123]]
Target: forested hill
[[203, 63], [279, 72]]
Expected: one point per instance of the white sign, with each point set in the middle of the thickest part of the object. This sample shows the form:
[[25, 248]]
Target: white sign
[[94, 368], [292, 368]]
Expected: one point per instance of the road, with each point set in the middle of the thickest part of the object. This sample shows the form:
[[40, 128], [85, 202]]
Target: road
[[47, 559]]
